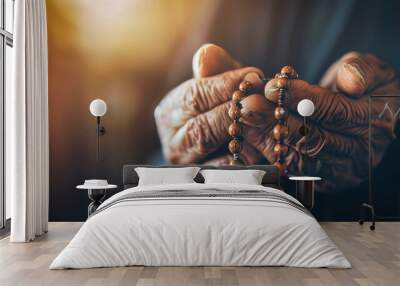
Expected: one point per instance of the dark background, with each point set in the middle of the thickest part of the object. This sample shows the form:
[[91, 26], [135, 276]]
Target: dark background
[[130, 53]]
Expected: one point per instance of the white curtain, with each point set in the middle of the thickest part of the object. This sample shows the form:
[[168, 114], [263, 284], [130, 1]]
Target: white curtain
[[27, 143]]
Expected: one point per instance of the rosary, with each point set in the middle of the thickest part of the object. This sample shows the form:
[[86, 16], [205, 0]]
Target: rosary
[[279, 132]]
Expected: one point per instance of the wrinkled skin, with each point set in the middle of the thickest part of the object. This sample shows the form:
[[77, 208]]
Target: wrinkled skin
[[193, 120]]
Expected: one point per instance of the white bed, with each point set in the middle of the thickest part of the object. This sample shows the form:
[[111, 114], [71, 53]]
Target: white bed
[[185, 230]]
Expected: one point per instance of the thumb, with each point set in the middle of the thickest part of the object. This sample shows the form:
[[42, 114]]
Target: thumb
[[360, 73], [211, 60]]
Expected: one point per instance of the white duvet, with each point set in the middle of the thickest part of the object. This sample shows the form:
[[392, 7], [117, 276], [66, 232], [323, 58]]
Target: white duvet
[[200, 231]]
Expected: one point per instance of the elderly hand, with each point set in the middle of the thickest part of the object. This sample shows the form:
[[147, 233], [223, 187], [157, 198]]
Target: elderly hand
[[338, 139], [192, 119]]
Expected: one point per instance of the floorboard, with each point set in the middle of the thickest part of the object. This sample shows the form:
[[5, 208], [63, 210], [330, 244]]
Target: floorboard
[[375, 257]]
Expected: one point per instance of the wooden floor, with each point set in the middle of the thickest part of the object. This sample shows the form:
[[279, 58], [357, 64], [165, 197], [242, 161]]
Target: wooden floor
[[375, 257]]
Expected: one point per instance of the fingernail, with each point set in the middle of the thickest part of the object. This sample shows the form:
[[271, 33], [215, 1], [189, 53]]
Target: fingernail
[[356, 70], [271, 91], [271, 88], [254, 78]]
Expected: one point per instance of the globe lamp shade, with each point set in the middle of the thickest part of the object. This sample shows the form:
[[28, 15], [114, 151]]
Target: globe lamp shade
[[98, 107], [306, 108]]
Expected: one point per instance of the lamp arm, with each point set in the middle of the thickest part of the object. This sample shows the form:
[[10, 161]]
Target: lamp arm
[[100, 130], [304, 131], [98, 137]]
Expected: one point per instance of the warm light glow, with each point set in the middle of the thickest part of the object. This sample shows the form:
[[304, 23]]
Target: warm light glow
[[127, 34]]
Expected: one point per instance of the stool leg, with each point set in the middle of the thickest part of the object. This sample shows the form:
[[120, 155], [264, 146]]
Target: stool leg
[[96, 197], [363, 208], [305, 193]]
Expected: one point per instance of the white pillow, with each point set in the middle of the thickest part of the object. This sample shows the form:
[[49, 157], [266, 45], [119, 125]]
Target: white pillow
[[163, 176], [248, 177]]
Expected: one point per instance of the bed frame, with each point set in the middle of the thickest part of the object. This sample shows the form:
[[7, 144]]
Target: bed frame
[[271, 178]]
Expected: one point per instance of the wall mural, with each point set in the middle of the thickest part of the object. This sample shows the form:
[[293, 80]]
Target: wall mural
[[168, 99]]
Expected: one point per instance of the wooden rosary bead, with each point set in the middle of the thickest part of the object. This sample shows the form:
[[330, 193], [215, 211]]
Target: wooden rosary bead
[[280, 132], [234, 112], [245, 87], [280, 149], [235, 146], [280, 113], [235, 129], [282, 83], [236, 96], [289, 72], [236, 162]]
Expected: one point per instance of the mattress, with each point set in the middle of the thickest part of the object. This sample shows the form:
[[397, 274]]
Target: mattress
[[201, 225]]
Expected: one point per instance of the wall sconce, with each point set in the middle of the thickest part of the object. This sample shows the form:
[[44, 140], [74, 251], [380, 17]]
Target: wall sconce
[[98, 108], [305, 108]]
